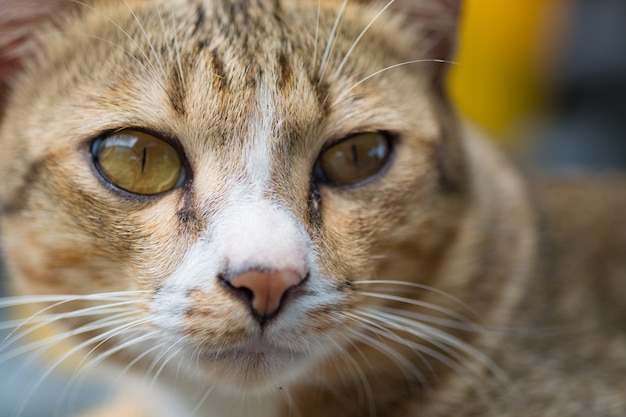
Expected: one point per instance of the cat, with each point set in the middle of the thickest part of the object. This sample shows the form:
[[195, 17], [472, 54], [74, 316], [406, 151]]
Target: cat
[[270, 208]]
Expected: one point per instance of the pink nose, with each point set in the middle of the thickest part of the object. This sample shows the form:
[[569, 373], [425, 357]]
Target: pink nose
[[268, 288]]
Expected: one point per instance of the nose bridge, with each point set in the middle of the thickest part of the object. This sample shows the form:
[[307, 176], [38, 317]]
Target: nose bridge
[[259, 234]]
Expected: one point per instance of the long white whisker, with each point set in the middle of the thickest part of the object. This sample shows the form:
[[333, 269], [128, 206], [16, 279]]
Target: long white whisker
[[417, 303], [119, 347], [365, 385], [125, 33], [72, 352], [448, 356], [380, 329], [419, 286], [126, 52], [83, 369], [177, 49], [201, 402], [137, 358], [345, 92], [164, 362], [167, 44], [421, 333], [176, 52], [331, 42], [425, 318], [358, 39], [402, 363], [44, 344], [47, 319], [147, 38], [317, 30], [7, 302], [431, 333]]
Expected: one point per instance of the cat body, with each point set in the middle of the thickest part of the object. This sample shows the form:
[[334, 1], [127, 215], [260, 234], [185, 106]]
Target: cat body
[[411, 272]]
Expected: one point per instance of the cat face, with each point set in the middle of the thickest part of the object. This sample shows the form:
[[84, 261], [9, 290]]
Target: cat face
[[245, 171]]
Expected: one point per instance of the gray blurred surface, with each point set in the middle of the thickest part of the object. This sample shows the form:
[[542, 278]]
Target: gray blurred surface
[[52, 399], [588, 131]]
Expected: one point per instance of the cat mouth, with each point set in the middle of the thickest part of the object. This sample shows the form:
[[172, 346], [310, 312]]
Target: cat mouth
[[252, 364], [253, 350]]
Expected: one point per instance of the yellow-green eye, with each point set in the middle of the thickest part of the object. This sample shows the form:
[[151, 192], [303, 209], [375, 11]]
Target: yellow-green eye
[[138, 162], [353, 159]]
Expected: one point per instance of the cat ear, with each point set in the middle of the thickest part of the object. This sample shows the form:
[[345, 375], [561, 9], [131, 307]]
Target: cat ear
[[433, 22], [433, 25], [19, 22], [436, 22]]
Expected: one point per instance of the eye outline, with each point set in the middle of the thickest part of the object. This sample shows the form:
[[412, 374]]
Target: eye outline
[[185, 176], [319, 177]]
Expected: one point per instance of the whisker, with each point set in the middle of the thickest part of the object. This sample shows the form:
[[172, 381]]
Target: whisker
[[419, 286], [14, 301], [138, 358], [366, 388], [177, 49], [44, 344], [376, 328], [447, 356], [417, 303], [72, 352], [345, 92], [358, 39], [117, 348], [95, 325], [45, 320], [201, 401], [147, 38], [435, 335], [82, 369], [425, 318], [317, 30], [176, 53], [165, 362], [126, 52], [331, 42], [402, 363], [421, 333], [125, 33]]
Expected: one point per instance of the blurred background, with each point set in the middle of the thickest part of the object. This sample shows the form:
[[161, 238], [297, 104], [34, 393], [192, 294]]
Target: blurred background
[[545, 78]]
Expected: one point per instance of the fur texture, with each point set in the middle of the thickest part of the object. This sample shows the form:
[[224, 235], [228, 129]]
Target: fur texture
[[443, 285]]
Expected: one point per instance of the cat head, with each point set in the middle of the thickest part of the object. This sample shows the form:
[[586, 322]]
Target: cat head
[[249, 171]]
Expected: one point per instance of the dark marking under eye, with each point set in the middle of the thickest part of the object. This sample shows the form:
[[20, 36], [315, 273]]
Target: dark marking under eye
[[315, 203], [187, 215]]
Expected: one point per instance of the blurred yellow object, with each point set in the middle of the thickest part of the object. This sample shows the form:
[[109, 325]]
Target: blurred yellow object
[[34, 333], [496, 82]]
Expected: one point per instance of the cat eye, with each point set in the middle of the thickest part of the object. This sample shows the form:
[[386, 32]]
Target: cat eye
[[138, 162], [354, 159]]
